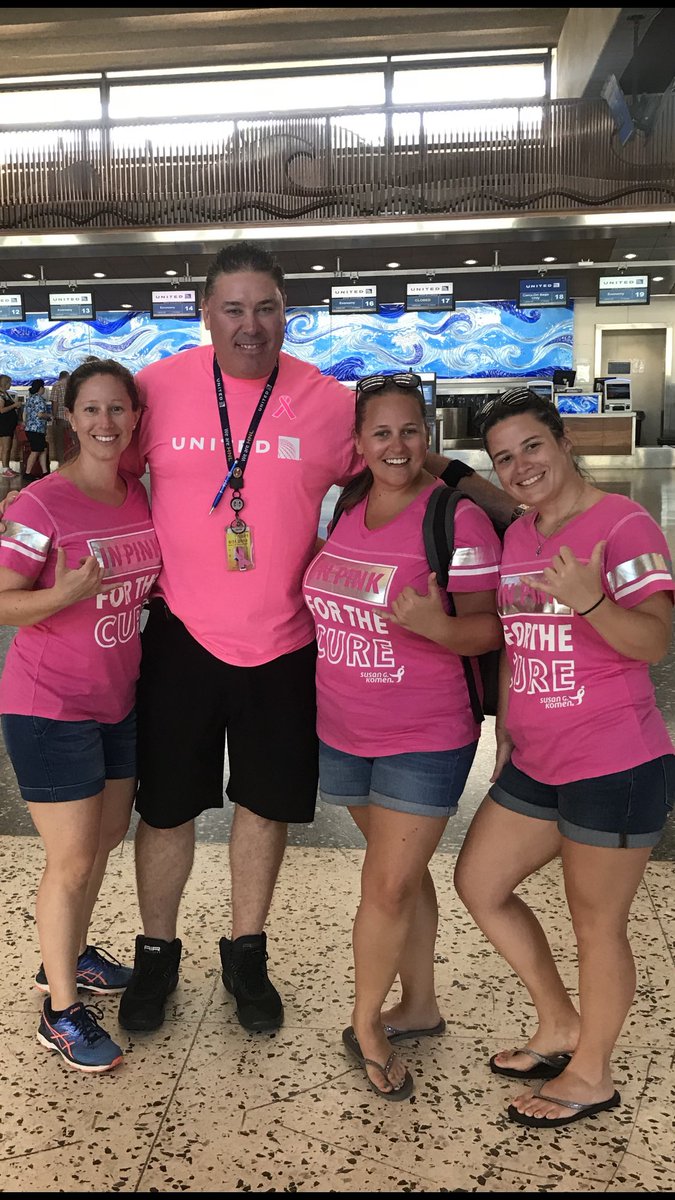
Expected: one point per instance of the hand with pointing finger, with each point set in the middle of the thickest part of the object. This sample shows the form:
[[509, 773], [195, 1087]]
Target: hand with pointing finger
[[575, 584], [416, 613]]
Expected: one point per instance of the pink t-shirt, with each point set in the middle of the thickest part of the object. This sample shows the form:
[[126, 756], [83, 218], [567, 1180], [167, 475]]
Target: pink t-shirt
[[303, 446], [81, 663], [381, 689], [578, 708]]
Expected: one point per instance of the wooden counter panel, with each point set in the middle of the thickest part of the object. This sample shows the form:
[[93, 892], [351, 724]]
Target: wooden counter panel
[[600, 435]]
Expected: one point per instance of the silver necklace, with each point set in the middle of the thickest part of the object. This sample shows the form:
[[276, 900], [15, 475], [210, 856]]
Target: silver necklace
[[559, 524]]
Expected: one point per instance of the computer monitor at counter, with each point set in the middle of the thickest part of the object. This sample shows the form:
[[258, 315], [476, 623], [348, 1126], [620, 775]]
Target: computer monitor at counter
[[577, 403]]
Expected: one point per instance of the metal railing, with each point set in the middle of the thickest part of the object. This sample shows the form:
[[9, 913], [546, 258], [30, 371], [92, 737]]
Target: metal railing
[[470, 159]]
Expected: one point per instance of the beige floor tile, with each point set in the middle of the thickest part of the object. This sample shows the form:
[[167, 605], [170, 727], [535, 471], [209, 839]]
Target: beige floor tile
[[277, 1157], [636, 1174], [201, 1105]]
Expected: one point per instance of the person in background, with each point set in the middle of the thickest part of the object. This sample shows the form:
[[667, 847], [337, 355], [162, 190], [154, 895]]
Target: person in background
[[59, 432], [242, 442], [35, 418], [397, 733], [585, 766], [78, 554], [9, 419]]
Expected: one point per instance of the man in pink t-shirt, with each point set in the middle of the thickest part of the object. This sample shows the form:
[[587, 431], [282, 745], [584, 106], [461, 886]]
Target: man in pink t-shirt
[[243, 442]]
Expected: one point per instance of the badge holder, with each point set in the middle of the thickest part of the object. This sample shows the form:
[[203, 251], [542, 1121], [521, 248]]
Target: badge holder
[[239, 540]]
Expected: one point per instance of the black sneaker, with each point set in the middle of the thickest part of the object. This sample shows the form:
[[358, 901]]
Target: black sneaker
[[154, 977], [244, 962]]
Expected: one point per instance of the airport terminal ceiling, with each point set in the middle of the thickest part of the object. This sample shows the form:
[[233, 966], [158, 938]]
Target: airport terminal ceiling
[[500, 258], [38, 41]]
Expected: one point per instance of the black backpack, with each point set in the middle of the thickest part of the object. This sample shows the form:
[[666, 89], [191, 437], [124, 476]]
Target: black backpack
[[438, 531]]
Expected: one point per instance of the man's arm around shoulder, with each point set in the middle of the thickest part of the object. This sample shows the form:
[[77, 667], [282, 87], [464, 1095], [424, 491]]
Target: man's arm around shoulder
[[459, 475]]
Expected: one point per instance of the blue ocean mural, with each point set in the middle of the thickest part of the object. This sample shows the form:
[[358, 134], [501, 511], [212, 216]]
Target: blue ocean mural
[[40, 348], [479, 340]]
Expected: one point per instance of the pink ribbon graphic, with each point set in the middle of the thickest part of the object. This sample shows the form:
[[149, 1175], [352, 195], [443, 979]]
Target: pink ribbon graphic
[[284, 407]]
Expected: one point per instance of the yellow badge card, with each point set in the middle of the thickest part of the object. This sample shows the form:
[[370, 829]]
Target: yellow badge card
[[239, 550]]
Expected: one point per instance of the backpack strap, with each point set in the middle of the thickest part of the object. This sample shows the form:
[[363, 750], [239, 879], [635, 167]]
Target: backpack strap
[[438, 531], [337, 513]]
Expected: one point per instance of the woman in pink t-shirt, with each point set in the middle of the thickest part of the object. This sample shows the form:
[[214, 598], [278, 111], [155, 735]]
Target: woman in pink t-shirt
[[585, 766], [77, 555], [397, 735]]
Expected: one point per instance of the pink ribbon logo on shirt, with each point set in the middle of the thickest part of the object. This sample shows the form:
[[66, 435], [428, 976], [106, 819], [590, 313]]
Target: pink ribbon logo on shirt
[[284, 407]]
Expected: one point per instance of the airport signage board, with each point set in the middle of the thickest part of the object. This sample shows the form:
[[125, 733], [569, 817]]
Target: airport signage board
[[11, 306], [354, 298], [174, 303], [429, 297], [71, 306], [623, 289], [546, 291]]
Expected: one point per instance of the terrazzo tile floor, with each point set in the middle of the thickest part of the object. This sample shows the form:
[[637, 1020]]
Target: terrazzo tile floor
[[202, 1106]]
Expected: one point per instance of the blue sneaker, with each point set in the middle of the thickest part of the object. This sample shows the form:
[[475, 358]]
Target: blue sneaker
[[79, 1039], [97, 971]]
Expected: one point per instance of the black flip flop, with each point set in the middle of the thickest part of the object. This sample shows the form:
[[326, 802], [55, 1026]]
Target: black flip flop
[[545, 1066], [579, 1112], [397, 1093]]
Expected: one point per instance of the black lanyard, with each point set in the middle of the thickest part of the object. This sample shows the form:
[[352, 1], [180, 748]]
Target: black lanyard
[[236, 464], [242, 458]]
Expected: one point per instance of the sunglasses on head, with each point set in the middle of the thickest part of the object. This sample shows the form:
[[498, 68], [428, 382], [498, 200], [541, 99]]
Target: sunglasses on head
[[512, 401], [375, 383]]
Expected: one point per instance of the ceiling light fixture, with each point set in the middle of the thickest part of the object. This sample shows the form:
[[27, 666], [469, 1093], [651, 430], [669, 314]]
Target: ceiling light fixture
[[171, 272], [99, 274], [393, 265], [126, 306], [318, 267], [550, 258], [630, 255], [28, 275], [470, 262], [657, 278]]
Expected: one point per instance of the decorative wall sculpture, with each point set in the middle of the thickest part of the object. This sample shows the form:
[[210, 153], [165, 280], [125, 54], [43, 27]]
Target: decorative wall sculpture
[[40, 348], [477, 341]]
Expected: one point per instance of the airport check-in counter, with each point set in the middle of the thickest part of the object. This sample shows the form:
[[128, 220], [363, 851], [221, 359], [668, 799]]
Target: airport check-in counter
[[458, 402]]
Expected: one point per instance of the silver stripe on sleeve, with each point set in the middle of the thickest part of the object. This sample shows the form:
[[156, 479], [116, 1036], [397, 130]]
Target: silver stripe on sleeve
[[473, 556], [27, 537], [635, 568]]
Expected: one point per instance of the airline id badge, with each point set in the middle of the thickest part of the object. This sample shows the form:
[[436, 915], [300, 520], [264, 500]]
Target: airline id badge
[[239, 547]]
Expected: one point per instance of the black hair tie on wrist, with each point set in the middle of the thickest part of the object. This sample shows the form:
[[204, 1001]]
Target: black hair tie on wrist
[[593, 606]]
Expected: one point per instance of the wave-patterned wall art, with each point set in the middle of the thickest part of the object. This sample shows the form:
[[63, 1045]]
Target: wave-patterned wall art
[[40, 348], [477, 341]]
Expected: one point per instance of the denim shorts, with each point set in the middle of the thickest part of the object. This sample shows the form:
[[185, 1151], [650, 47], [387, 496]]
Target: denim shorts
[[626, 809], [424, 784], [56, 761]]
